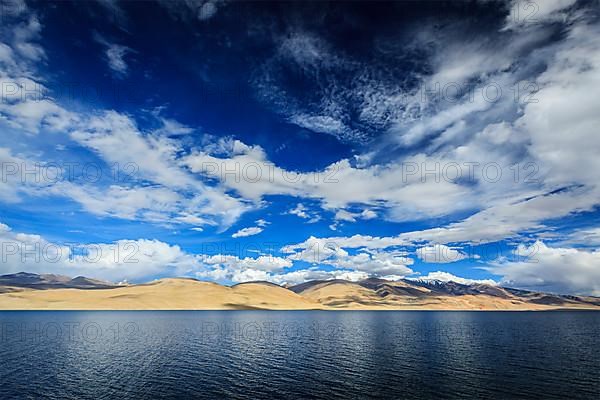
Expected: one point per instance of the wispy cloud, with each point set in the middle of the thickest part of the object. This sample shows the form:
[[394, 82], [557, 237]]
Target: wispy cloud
[[115, 56], [250, 231]]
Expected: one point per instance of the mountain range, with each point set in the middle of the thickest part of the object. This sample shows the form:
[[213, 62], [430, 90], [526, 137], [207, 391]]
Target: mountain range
[[50, 281], [23, 291]]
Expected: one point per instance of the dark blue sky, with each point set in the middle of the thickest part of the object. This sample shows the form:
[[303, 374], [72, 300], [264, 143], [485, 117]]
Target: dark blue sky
[[288, 141]]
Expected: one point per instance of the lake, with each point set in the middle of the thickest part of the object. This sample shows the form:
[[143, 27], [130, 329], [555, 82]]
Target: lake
[[300, 355]]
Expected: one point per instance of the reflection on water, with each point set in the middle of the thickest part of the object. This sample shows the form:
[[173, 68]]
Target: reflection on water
[[312, 354]]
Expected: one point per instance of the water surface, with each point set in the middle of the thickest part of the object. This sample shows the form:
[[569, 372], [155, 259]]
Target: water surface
[[300, 354]]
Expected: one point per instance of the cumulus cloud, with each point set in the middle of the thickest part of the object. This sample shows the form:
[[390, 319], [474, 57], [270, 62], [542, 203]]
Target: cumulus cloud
[[26, 103], [247, 170], [261, 263], [232, 268], [136, 260], [551, 269], [334, 245], [380, 264], [275, 269], [334, 252], [116, 261], [304, 275], [301, 211]]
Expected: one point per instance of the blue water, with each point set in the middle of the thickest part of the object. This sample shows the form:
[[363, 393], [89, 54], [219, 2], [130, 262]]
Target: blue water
[[300, 355]]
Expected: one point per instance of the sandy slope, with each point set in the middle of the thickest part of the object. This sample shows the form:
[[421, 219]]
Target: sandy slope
[[166, 294], [189, 294], [352, 296]]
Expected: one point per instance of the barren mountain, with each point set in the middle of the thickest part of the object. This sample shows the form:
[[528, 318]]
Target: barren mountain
[[51, 281], [54, 292], [164, 294], [434, 295]]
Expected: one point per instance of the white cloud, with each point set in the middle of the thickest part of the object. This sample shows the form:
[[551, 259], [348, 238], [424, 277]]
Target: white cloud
[[315, 250], [304, 275], [509, 219], [368, 214], [153, 203], [143, 203], [379, 264], [24, 35], [159, 190], [562, 125], [525, 13], [202, 10], [543, 268], [250, 231], [558, 133], [343, 215], [25, 102], [320, 123], [439, 253], [332, 251], [117, 139], [471, 132], [262, 263], [229, 267], [128, 259], [584, 237], [406, 195], [207, 10], [171, 127], [115, 56], [301, 211], [122, 259]]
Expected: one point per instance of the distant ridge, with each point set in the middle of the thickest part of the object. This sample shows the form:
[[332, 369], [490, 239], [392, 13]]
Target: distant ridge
[[380, 293], [52, 281], [23, 291]]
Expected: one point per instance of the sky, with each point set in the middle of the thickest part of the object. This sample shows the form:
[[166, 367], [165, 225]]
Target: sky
[[286, 142]]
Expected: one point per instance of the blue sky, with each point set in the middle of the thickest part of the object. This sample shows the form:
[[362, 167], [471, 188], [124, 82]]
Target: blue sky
[[237, 141]]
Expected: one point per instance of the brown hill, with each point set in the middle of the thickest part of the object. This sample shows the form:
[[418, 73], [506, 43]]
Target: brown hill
[[48, 292], [165, 294], [52, 281], [433, 295]]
